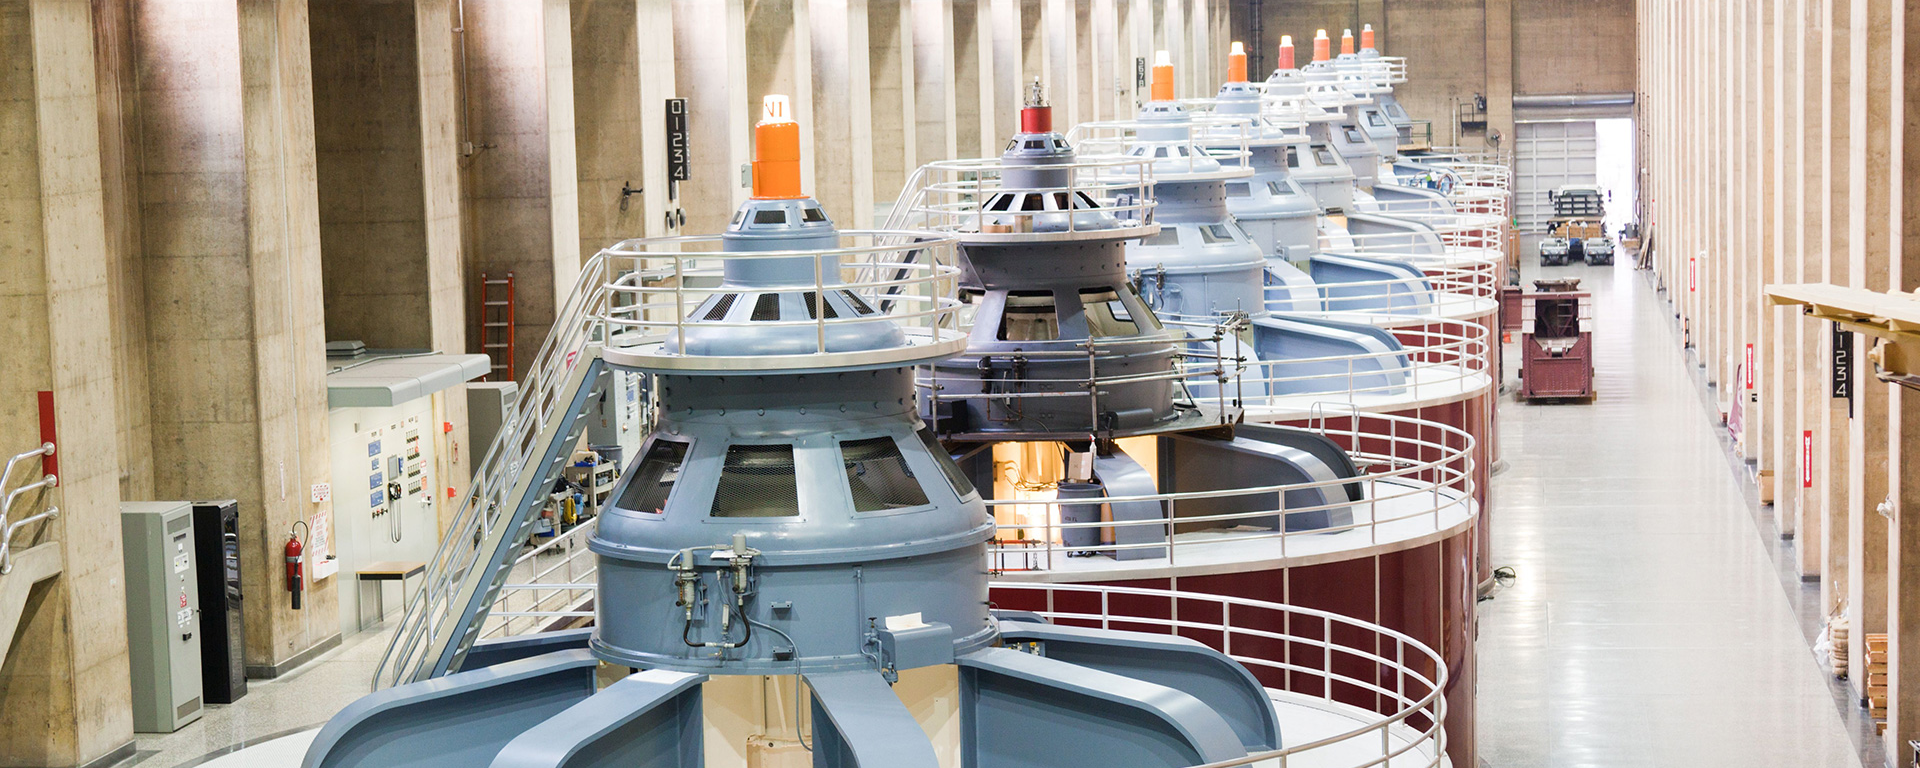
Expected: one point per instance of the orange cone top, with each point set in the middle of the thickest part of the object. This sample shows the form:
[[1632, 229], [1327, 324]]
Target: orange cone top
[[776, 152], [1321, 46], [1366, 37], [1162, 76], [1346, 42], [1237, 64], [1286, 53]]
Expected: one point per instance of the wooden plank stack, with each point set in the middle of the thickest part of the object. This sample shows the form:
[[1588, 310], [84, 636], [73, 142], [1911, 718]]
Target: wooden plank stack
[[1876, 682]]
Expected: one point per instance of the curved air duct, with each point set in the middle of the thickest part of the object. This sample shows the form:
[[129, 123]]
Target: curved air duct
[[1351, 283]]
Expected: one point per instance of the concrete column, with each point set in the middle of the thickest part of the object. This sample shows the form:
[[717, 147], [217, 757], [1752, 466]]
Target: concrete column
[[1499, 54], [710, 55], [890, 61], [933, 84], [522, 184], [973, 76], [1807, 256], [1063, 72], [1832, 483], [1139, 23], [1111, 71], [1765, 262], [843, 170], [1085, 65], [609, 115], [230, 217], [65, 681], [1903, 541], [115, 74], [1870, 261]]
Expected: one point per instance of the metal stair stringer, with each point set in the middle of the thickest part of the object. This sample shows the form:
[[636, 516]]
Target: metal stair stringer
[[480, 586]]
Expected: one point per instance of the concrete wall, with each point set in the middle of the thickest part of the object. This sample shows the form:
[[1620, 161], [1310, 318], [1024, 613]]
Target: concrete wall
[[1458, 48], [1561, 47], [1775, 154]]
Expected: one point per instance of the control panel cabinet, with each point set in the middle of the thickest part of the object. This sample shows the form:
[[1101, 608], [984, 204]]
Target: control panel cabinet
[[223, 662], [163, 614]]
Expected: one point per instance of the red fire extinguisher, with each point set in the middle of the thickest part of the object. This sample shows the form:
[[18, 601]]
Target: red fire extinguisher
[[295, 580]]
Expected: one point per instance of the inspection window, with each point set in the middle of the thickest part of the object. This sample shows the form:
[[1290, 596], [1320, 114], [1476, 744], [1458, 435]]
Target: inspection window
[[1030, 316], [653, 482], [879, 477]]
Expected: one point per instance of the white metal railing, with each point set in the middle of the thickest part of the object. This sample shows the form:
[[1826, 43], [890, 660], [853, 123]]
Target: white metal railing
[[1110, 196], [1466, 244], [667, 289], [1396, 68], [1315, 655], [463, 545], [1446, 292], [38, 487], [553, 581], [1414, 473], [1208, 142], [1439, 359]]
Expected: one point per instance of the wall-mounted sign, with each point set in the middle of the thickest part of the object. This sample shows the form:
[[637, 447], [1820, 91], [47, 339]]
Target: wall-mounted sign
[[1140, 72], [1806, 459], [1841, 366], [678, 157]]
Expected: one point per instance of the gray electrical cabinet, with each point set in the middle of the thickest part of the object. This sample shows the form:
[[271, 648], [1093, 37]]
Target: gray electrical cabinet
[[163, 614]]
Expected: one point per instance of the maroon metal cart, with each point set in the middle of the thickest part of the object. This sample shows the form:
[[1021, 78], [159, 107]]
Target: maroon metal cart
[[1556, 343]]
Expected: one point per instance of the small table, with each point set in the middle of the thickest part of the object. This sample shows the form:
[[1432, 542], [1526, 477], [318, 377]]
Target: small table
[[392, 570]]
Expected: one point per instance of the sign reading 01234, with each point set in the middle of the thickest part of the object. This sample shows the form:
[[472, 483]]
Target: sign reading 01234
[[678, 158]]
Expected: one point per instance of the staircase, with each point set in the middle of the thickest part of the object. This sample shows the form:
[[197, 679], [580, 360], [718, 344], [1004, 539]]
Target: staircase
[[22, 570], [480, 547]]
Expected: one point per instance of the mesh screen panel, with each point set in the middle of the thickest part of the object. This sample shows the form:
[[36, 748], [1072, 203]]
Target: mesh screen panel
[[654, 480], [757, 481]]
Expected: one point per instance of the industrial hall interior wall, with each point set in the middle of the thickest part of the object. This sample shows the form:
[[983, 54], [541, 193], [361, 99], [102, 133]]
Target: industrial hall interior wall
[[197, 195], [1774, 134]]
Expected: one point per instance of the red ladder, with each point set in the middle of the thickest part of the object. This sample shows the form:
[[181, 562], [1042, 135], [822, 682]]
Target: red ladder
[[496, 324]]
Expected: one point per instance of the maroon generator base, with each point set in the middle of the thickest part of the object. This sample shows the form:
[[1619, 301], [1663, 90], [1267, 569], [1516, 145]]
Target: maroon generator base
[[1426, 591]]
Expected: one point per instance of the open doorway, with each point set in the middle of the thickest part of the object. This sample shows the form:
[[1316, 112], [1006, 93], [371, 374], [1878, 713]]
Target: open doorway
[[1614, 170]]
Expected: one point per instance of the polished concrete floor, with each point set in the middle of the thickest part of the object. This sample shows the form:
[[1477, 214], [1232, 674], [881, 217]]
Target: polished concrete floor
[[1650, 624]]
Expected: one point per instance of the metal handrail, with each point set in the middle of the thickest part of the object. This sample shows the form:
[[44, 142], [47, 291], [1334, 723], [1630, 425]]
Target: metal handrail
[[538, 583], [1390, 666], [6, 539], [512, 451], [1223, 139], [952, 196], [6, 475], [657, 303], [1440, 480], [7, 529]]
